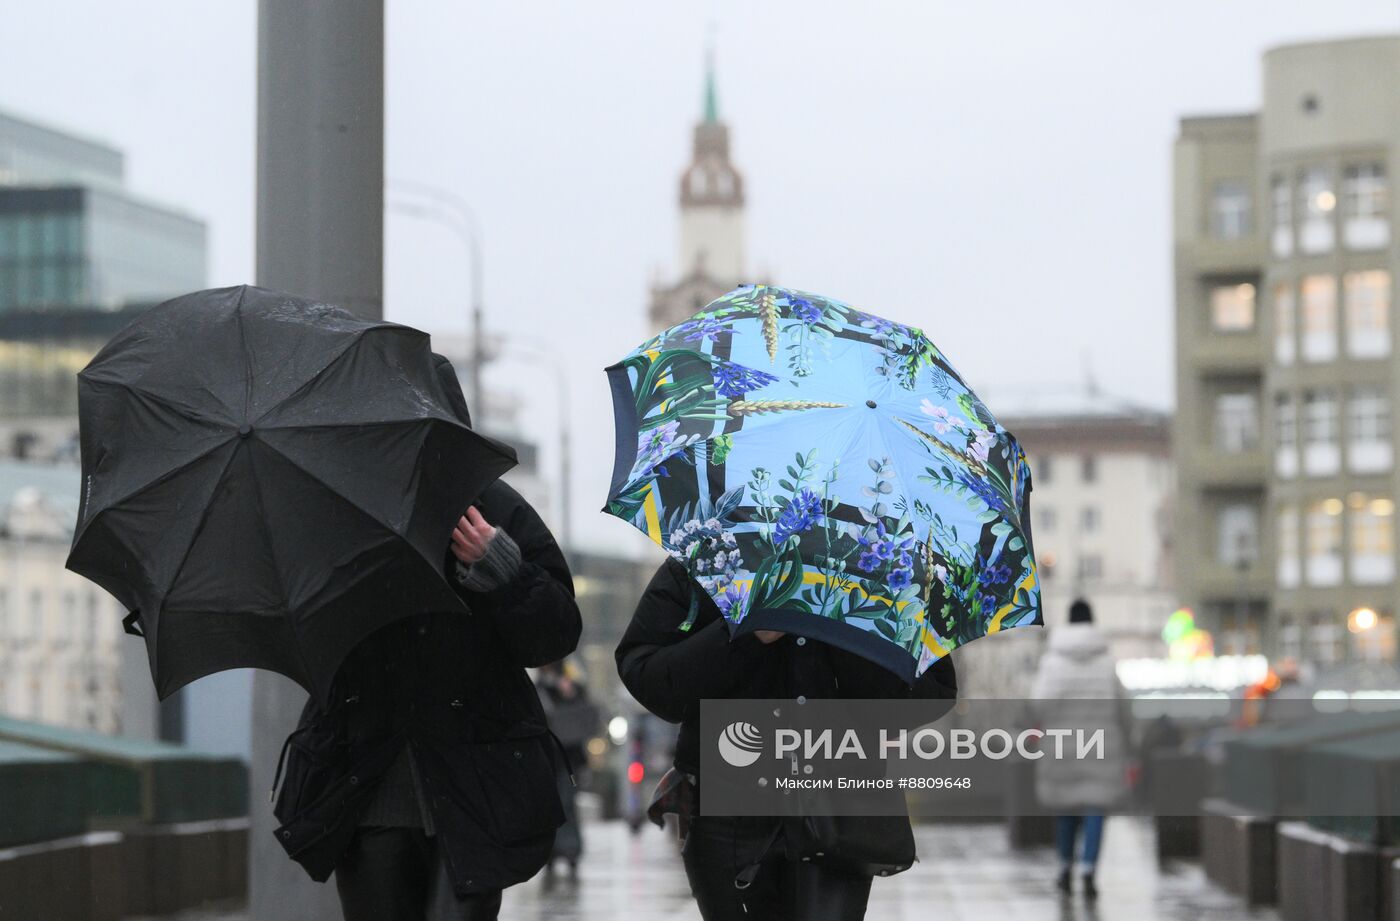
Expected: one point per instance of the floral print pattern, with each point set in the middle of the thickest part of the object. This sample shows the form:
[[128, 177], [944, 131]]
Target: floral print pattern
[[917, 542]]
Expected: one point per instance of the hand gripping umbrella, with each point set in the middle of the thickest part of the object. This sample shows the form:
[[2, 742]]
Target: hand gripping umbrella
[[825, 472], [268, 480]]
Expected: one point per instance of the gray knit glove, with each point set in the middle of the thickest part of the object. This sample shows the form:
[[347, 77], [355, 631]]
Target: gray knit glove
[[496, 568]]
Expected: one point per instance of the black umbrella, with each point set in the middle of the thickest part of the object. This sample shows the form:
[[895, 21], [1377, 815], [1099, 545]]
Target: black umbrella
[[268, 480]]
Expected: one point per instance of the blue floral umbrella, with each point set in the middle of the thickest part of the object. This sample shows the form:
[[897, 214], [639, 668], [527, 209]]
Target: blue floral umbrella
[[826, 472]]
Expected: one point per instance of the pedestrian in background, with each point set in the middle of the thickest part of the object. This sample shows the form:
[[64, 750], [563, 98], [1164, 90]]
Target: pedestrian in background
[[574, 720], [1076, 676], [743, 868]]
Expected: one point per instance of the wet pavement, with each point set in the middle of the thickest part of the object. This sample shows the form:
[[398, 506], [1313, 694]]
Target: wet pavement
[[965, 873]]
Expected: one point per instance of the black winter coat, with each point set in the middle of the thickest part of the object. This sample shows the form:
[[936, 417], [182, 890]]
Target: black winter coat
[[669, 672], [454, 688]]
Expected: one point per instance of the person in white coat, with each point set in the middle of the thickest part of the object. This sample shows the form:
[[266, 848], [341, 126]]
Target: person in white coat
[[1075, 678]]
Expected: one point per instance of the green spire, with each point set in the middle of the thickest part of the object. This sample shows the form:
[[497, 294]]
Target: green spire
[[711, 99]]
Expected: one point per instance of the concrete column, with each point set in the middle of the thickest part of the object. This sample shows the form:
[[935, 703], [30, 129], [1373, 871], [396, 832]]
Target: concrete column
[[320, 226]]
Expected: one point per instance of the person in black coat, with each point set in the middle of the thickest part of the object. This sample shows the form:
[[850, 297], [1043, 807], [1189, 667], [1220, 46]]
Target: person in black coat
[[428, 783], [670, 670]]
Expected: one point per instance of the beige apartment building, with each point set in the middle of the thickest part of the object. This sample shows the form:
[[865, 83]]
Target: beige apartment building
[[1286, 370]]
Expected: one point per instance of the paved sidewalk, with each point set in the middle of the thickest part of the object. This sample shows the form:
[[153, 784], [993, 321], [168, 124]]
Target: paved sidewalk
[[966, 873]]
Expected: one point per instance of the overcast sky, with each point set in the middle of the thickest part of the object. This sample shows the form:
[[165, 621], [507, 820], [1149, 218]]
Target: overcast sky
[[996, 173]]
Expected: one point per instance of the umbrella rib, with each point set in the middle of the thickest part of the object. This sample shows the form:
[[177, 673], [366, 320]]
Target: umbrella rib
[[267, 537], [194, 536], [149, 484], [330, 363], [348, 501], [247, 355], [181, 411]]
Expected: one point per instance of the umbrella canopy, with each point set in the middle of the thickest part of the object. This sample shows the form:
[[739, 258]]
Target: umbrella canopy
[[267, 480], [826, 472]]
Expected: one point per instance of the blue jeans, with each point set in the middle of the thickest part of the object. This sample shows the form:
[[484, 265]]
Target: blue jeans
[[1067, 828]]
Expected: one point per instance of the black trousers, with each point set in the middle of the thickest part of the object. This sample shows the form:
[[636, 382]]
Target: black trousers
[[395, 874], [784, 889]]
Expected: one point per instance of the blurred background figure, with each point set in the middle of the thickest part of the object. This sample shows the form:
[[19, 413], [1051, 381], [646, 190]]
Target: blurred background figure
[[573, 719], [1076, 674]]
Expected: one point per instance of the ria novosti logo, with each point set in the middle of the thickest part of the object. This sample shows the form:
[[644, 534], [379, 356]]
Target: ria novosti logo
[[740, 744]]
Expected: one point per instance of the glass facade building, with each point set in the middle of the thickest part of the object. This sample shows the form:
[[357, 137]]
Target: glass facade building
[[69, 246]]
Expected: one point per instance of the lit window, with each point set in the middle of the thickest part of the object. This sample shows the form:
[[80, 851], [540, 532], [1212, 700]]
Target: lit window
[[1229, 209], [1319, 318], [1368, 313], [1236, 422], [1282, 195], [1365, 194], [1369, 446], [1316, 233], [1287, 522], [1285, 435], [1285, 325], [1237, 534], [1324, 532], [1232, 307], [1376, 643], [1371, 535], [1321, 451]]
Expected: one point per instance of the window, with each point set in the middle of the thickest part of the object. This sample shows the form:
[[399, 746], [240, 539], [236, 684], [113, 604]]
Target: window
[[70, 618], [1365, 202], [1088, 468], [1285, 435], [1236, 422], [1290, 637], [1287, 522], [1285, 325], [4, 619], [1232, 308], [1323, 565], [1321, 451], [1237, 534], [1089, 519], [1091, 566], [1377, 644], [1046, 520], [1325, 641], [1368, 313], [1044, 471], [1319, 295], [1369, 447], [1229, 209], [1282, 196], [36, 615], [1316, 233], [1369, 526]]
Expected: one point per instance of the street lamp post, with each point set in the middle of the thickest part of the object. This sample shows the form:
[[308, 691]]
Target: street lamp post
[[451, 210], [541, 355]]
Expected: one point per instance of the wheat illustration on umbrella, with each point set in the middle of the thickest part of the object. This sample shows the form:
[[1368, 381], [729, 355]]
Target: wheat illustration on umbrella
[[824, 471]]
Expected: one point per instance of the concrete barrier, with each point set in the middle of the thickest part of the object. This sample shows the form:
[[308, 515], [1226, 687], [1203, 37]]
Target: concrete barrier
[[1239, 851], [148, 871], [1354, 884], [1303, 880]]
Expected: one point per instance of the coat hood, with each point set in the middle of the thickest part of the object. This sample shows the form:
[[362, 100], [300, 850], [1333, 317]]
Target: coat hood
[[1078, 641]]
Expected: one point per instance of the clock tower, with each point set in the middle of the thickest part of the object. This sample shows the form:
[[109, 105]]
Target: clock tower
[[712, 222]]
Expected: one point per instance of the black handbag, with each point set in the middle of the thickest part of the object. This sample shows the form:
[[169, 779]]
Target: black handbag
[[864, 845]]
